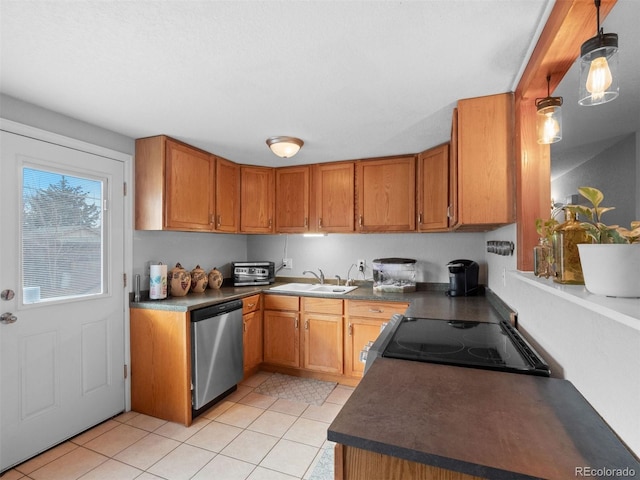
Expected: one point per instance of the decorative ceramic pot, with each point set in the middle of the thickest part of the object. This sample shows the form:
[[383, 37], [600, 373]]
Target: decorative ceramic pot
[[611, 269], [179, 281], [199, 280], [215, 279]]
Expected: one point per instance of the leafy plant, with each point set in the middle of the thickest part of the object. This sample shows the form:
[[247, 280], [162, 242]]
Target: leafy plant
[[545, 227], [596, 229]]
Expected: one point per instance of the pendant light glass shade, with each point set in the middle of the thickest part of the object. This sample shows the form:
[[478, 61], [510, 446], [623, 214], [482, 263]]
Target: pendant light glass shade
[[599, 67], [284, 147], [549, 118]]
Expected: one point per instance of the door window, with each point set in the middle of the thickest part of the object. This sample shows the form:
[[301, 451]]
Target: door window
[[62, 246]]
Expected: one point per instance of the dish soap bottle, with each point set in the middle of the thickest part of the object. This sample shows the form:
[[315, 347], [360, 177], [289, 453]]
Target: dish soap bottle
[[566, 238]]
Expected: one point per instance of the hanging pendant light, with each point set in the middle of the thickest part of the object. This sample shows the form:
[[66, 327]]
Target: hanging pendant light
[[284, 147], [549, 120], [599, 67]]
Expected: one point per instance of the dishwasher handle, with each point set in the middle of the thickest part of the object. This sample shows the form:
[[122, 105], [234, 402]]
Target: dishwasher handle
[[215, 310]]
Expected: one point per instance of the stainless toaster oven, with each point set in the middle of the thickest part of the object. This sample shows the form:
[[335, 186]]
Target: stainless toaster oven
[[253, 273]]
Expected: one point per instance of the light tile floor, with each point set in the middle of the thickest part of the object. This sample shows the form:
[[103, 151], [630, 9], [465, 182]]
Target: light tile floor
[[247, 436]]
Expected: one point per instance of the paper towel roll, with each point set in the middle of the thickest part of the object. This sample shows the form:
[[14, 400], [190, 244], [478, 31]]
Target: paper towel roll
[[157, 282]]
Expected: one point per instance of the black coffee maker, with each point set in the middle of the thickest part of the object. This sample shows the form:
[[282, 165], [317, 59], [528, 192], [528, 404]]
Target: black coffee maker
[[463, 278]]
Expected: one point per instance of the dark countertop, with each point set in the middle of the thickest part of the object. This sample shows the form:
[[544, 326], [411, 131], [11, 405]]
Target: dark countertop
[[490, 424], [429, 301]]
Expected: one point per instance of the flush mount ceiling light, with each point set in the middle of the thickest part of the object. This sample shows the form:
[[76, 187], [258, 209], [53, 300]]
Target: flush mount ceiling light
[[284, 147], [599, 67], [549, 120]]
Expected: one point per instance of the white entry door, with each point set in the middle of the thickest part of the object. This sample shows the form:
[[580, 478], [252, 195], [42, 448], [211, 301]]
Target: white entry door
[[62, 325]]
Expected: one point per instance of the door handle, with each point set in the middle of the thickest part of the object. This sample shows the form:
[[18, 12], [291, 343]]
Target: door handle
[[8, 318]]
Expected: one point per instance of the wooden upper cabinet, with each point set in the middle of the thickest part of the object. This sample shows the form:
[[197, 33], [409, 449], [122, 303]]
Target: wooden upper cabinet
[[432, 188], [453, 171], [385, 194], [292, 199], [175, 186], [332, 197], [486, 162], [227, 196], [256, 199]]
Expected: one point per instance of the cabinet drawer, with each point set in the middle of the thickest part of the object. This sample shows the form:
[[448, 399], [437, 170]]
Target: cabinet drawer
[[281, 302], [250, 304], [322, 305], [384, 310]]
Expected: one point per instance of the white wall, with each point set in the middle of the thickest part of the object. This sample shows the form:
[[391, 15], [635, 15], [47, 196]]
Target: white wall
[[613, 171], [208, 250], [597, 353], [335, 253]]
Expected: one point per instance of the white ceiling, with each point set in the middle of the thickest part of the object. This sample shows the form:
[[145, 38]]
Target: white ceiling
[[353, 79]]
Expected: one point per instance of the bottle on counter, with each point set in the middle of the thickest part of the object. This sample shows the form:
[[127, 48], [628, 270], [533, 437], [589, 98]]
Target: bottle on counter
[[542, 259], [566, 238]]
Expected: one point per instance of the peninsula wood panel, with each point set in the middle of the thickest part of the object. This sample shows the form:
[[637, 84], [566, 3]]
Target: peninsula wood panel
[[256, 199], [227, 196], [357, 464], [385, 194], [292, 199], [333, 196], [161, 364]]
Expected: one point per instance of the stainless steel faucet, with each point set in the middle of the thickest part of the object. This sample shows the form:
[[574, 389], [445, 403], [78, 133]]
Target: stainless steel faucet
[[320, 278]]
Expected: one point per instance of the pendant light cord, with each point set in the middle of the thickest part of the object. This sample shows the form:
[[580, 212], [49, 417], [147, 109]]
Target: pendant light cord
[[600, 31]]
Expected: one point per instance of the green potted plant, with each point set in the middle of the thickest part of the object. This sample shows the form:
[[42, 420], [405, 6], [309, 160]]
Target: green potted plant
[[611, 264]]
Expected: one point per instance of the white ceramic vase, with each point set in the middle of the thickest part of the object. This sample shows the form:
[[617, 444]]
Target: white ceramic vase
[[611, 269]]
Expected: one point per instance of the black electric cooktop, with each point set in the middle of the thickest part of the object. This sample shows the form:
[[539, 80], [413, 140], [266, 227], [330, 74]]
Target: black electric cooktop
[[494, 346]]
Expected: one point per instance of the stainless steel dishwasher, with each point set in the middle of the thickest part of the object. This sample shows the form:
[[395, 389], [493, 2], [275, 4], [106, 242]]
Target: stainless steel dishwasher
[[216, 351]]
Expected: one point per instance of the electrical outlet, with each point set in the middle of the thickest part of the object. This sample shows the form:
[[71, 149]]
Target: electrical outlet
[[287, 263], [361, 265]]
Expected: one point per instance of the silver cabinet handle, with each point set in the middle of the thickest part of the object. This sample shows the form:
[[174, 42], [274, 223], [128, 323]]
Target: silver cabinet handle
[[8, 318]]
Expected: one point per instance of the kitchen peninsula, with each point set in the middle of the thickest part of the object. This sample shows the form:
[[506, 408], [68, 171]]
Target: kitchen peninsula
[[412, 420]]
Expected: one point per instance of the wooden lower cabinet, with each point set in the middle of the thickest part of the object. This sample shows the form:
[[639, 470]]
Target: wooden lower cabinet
[[357, 464], [161, 364], [282, 330], [363, 322], [251, 334], [322, 346]]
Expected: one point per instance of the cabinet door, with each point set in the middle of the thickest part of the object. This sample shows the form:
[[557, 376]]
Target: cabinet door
[[364, 319], [360, 331], [256, 199], [323, 343], [227, 196], [292, 199], [453, 171], [282, 338], [385, 192], [252, 340], [433, 189], [486, 161], [333, 195], [190, 188]]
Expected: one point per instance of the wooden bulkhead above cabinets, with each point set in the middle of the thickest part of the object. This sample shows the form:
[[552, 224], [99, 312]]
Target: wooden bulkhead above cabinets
[[466, 185]]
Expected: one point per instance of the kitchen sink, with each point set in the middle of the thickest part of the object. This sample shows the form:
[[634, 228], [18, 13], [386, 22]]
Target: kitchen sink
[[313, 288]]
